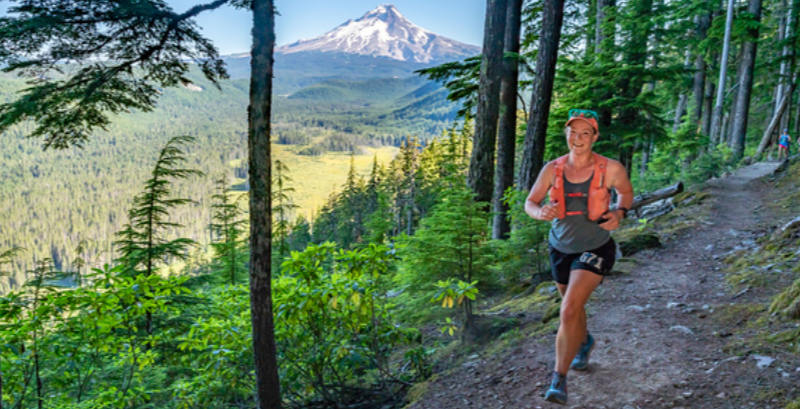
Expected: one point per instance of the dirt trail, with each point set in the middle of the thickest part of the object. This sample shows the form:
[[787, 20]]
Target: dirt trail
[[658, 346]]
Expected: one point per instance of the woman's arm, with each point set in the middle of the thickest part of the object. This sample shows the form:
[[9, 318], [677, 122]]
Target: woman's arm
[[618, 180], [537, 194]]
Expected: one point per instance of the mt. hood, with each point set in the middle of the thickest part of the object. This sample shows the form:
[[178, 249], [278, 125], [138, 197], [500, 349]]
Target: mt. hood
[[384, 32]]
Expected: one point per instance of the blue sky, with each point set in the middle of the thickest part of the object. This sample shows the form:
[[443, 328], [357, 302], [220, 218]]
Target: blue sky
[[229, 28]]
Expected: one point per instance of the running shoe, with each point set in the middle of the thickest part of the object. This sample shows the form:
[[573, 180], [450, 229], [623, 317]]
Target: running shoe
[[581, 361], [558, 389]]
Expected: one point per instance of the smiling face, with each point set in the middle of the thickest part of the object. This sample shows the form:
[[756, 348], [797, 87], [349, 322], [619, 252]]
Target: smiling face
[[580, 137]]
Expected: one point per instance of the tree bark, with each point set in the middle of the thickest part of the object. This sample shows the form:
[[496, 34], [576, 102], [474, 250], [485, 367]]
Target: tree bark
[[789, 52], [605, 33], [541, 96], [481, 167], [724, 135], [796, 130], [601, 33], [591, 30], [698, 83], [507, 135], [783, 27], [635, 55], [266, 366], [726, 121], [683, 99], [708, 101], [739, 126], [647, 148], [765, 139], [716, 116]]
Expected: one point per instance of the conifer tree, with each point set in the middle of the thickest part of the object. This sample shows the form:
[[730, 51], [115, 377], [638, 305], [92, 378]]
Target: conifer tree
[[716, 116], [535, 135], [300, 235], [34, 309], [230, 244], [461, 80], [143, 243], [450, 244], [352, 205], [6, 257], [481, 168], [703, 22], [406, 195], [507, 133], [283, 207], [747, 64]]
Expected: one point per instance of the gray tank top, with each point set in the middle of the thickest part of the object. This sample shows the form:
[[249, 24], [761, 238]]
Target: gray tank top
[[576, 233]]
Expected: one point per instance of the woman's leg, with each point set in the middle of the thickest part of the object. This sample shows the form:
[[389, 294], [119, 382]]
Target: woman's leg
[[572, 328]]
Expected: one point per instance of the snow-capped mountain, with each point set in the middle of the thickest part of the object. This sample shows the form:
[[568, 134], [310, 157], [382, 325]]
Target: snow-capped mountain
[[384, 32]]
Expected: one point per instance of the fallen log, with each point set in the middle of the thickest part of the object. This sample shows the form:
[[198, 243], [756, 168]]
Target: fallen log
[[647, 198]]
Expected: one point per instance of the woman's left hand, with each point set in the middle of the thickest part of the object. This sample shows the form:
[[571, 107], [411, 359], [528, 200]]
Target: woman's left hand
[[614, 217]]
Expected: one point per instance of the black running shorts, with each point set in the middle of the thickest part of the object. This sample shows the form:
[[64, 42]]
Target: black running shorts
[[598, 261]]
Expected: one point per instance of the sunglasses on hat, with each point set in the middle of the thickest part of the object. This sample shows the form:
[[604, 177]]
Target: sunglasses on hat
[[586, 113]]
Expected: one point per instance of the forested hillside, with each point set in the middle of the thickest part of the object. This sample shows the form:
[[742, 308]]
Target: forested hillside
[[60, 201], [421, 281]]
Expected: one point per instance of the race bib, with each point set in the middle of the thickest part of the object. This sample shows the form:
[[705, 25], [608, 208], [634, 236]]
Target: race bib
[[592, 260]]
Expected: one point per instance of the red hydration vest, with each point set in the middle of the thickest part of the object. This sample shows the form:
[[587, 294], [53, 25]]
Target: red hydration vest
[[599, 197]]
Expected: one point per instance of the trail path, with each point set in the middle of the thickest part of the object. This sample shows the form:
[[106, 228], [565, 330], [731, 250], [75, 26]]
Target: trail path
[[658, 346]]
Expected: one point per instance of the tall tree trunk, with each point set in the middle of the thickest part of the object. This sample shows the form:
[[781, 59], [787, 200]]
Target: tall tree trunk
[[786, 116], [602, 32], [481, 166], [698, 83], [708, 101], [683, 99], [634, 55], [716, 116], [507, 135], [647, 148], [591, 30], [796, 130], [725, 136], [783, 27], [726, 122], [605, 33], [791, 56], [742, 109], [647, 145], [410, 206], [264, 351], [533, 152]]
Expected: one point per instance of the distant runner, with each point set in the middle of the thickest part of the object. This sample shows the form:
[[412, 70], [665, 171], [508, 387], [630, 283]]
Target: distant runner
[[783, 144], [581, 248]]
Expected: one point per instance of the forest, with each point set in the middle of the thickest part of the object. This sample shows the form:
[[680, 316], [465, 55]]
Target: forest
[[311, 132], [403, 271]]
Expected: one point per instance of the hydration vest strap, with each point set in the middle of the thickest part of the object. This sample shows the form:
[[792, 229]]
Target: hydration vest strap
[[558, 182], [576, 194], [600, 166], [575, 213]]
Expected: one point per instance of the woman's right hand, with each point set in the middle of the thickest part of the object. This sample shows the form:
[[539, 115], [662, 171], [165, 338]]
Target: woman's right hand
[[548, 212]]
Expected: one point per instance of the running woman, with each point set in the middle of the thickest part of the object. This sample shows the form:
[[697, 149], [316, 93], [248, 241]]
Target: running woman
[[581, 248], [783, 144]]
